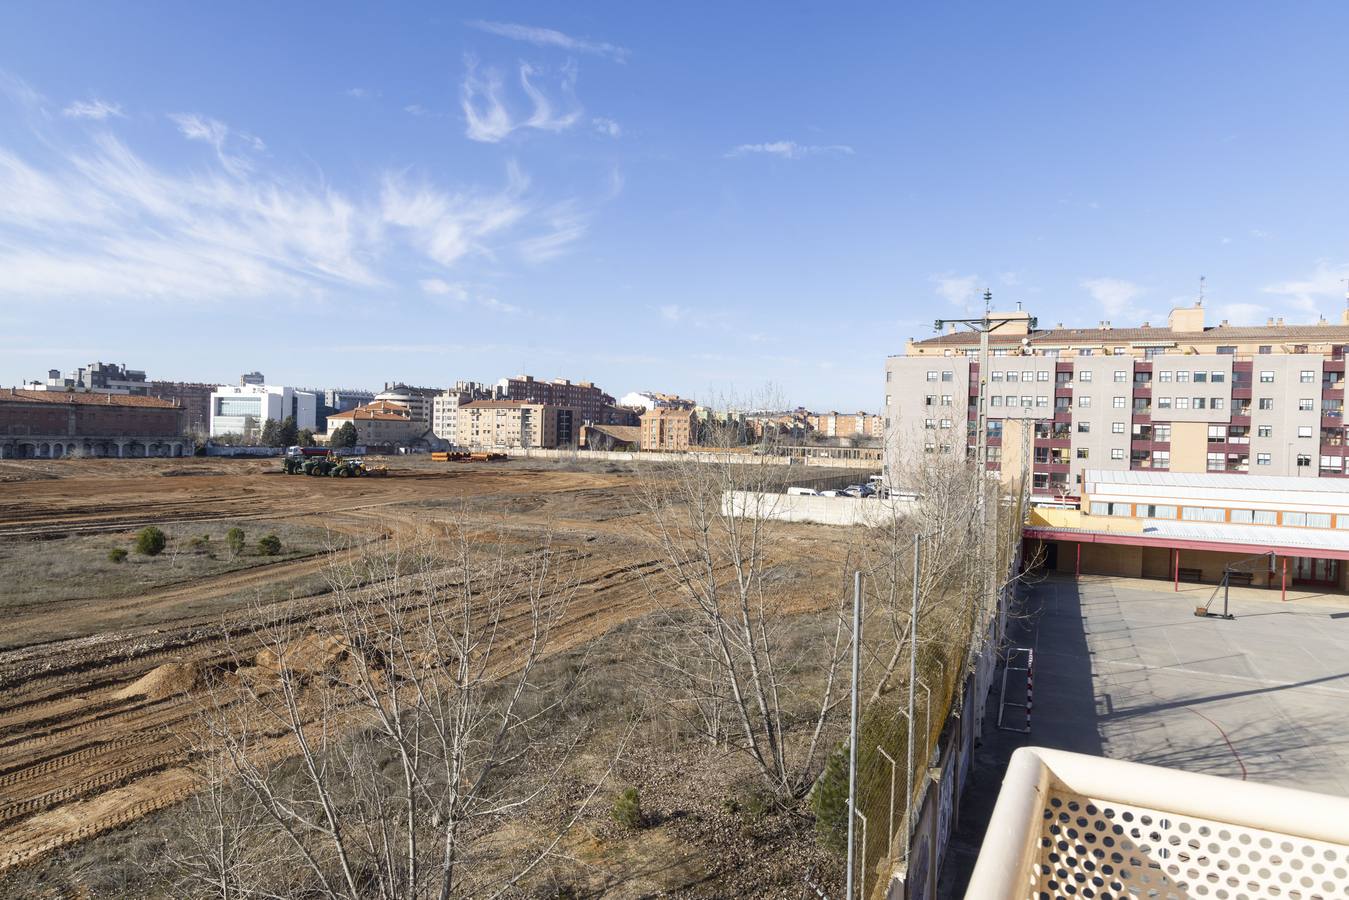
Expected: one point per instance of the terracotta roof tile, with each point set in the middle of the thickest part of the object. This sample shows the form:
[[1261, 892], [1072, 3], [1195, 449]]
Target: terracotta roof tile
[[15, 395], [1218, 334]]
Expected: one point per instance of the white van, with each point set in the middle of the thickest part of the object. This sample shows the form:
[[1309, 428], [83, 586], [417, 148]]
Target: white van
[[802, 492]]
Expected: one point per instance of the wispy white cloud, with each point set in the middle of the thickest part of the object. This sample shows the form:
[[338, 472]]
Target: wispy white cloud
[[1325, 283], [790, 149], [92, 109], [547, 37], [483, 98], [196, 127], [564, 226], [957, 290], [416, 109], [1115, 296], [458, 294], [360, 93], [672, 312], [98, 221], [607, 127]]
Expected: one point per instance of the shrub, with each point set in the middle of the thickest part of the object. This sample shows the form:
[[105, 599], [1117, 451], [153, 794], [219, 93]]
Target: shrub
[[117, 554], [234, 539], [269, 545], [150, 541], [199, 541], [628, 809]]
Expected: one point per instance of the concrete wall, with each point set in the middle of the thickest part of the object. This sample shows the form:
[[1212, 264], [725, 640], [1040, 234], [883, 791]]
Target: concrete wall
[[1102, 416], [1189, 447], [821, 510], [866, 465]]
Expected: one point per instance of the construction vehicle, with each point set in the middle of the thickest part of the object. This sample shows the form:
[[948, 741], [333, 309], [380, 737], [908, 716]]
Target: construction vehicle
[[326, 464]]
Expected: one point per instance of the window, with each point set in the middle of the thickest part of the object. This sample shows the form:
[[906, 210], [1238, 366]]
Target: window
[[1100, 508], [1182, 376], [1318, 520], [945, 399], [1303, 460], [1217, 434], [1306, 405], [1182, 403], [888, 373], [930, 400], [1266, 377], [1061, 403], [1217, 377], [1201, 514], [1266, 517], [1297, 519], [1227, 349], [1153, 511], [1083, 427], [1165, 375], [1266, 403], [1083, 401], [1042, 375], [1120, 402], [1085, 351], [1011, 399], [948, 376], [1150, 352], [1306, 376], [1163, 402], [1241, 516], [1161, 459], [1027, 401], [1121, 375], [1342, 521], [1084, 375], [1118, 351], [945, 423], [1264, 431], [1083, 453], [1200, 377], [1304, 431], [1332, 464], [1000, 352], [995, 400], [929, 423], [1013, 376], [1217, 462], [1266, 348], [995, 376], [1200, 402], [1116, 453], [931, 376], [1042, 400], [1117, 428], [1217, 403]]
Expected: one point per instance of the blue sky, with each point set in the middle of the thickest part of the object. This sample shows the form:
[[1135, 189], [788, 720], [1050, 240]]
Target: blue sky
[[699, 198]]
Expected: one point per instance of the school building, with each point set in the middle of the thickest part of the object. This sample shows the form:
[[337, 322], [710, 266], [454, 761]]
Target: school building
[[1190, 527]]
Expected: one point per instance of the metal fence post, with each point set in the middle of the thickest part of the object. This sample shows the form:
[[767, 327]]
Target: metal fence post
[[852, 728]]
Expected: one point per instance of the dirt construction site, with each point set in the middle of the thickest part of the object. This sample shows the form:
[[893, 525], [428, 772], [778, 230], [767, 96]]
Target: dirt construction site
[[102, 648]]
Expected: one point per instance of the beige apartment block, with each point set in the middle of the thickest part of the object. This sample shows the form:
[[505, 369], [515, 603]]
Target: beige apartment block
[[505, 424], [1186, 397], [379, 424], [669, 429]]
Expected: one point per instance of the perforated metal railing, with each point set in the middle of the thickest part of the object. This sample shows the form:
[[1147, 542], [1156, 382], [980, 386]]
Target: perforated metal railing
[[1074, 826]]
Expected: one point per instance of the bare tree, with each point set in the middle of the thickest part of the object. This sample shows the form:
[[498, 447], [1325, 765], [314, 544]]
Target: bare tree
[[723, 643], [404, 712]]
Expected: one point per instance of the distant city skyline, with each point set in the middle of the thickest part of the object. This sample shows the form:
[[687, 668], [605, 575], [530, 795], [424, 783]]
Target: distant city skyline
[[700, 200]]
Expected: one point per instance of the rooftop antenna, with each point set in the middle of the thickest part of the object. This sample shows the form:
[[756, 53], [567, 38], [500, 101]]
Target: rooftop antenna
[[1202, 280]]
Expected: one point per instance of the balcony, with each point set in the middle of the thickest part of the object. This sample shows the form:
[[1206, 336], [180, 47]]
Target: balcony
[[1167, 829]]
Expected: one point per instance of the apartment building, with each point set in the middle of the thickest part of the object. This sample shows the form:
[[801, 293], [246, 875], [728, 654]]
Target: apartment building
[[445, 408], [849, 425], [418, 400], [669, 429], [1264, 400], [588, 401], [504, 424]]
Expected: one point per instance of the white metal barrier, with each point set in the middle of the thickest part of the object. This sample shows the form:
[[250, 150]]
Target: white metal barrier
[[1070, 825]]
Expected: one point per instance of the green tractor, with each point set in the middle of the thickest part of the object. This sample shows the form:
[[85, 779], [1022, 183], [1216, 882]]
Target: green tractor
[[348, 468]]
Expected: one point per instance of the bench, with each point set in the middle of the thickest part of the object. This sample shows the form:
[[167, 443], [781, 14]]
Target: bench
[[1191, 575], [1240, 578]]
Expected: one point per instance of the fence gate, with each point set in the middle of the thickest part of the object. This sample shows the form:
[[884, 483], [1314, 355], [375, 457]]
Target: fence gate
[[1019, 659]]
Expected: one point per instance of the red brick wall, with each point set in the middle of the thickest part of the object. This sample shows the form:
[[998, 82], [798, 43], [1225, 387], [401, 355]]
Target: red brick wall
[[91, 420]]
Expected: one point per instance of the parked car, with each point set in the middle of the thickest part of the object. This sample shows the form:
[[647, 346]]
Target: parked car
[[833, 494], [859, 490], [802, 492]]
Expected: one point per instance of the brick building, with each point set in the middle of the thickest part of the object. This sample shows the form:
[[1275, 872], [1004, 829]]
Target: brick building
[[1261, 400], [52, 424], [588, 401], [669, 429], [504, 424]]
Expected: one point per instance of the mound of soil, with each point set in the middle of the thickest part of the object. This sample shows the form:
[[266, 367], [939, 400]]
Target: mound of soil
[[168, 680], [310, 655]]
